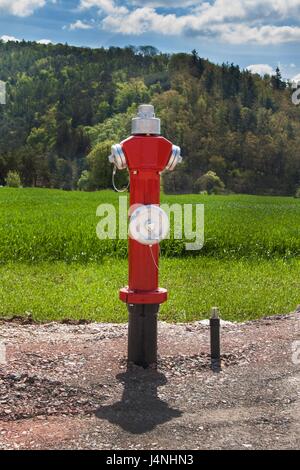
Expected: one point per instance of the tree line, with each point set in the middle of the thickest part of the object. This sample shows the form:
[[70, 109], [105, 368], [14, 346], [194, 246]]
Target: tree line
[[66, 106]]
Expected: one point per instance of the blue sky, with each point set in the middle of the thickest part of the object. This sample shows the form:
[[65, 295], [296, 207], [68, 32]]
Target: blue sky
[[257, 33]]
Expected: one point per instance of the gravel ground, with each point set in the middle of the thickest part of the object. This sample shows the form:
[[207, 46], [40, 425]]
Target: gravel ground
[[67, 386]]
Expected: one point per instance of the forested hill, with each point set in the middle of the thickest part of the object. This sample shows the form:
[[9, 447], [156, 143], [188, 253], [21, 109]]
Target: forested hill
[[66, 105]]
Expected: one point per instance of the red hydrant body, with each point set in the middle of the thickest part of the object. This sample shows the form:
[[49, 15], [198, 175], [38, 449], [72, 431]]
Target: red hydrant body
[[147, 157]]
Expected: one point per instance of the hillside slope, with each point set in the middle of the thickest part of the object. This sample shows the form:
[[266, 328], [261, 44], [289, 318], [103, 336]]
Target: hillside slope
[[65, 106]]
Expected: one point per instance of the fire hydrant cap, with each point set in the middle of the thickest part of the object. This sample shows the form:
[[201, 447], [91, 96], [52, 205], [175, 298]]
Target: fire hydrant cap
[[146, 122]]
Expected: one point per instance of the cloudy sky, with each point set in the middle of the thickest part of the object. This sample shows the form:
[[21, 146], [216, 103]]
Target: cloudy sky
[[259, 34]]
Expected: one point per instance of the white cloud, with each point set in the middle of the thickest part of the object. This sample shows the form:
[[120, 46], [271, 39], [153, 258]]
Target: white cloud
[[5, 38], [107, 6], [261, 35], [261, 69], [79, 25], [225, 8], [234, 22], [166, 3], [21, 7], [44, 41], [296, 79], [144, 20]]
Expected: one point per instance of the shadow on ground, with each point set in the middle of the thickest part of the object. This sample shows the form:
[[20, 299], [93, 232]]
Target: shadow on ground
[[140, 409]]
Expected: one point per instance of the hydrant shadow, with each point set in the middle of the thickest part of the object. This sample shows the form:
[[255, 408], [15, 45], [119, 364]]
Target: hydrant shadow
[[140, 409]]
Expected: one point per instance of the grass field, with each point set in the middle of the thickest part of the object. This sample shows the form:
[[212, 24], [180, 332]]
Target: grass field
[[243, 289], [50, 225], [53, 265]]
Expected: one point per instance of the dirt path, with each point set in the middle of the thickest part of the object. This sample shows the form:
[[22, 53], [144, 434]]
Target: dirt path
[[67, 387]]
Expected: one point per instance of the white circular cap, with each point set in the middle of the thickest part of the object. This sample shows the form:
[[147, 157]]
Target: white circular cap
[[117, 157], [149, 225], [175, 158]]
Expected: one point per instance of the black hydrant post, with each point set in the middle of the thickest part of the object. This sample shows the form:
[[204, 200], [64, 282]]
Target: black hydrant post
[[142, 334], [215, 340]]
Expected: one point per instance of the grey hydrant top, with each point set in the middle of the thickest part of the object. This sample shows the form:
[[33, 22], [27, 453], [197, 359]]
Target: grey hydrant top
[[146, 122]]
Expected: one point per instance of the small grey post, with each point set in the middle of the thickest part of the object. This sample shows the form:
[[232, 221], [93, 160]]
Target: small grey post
[[215, 347]]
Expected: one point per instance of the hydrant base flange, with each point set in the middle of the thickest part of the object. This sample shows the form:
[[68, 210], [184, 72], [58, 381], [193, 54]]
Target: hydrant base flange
[[129, 296]]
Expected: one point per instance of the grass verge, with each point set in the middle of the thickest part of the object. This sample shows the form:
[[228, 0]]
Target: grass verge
[[243, 289]]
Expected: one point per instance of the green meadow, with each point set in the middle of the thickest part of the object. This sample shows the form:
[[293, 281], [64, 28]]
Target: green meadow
[[53, 266]]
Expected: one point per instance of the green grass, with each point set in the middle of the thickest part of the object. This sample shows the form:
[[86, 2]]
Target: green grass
[[53, 265], [49, 225], [242, 289]]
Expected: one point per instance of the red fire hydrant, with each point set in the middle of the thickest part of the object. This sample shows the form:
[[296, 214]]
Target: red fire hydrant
[[146, 154]]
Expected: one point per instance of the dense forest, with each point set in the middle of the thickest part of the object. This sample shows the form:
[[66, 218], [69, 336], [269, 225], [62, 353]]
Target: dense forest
[[66, 106]]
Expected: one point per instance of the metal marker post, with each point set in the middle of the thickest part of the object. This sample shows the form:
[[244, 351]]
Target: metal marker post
[[215, 340]]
